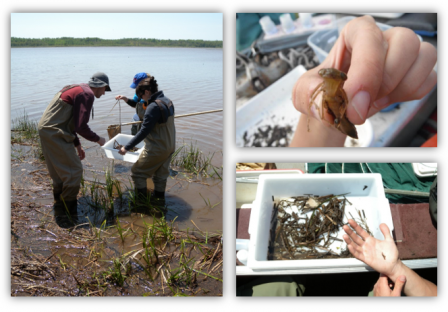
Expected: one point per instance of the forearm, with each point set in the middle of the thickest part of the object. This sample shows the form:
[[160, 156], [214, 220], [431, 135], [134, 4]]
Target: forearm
[[318, 135], [88, 134], [131, 103], [140, 136], [415, 285]]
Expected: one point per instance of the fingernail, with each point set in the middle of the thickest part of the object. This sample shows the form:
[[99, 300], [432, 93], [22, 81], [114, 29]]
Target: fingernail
[[402, 279], [361, 103], [314, 112], [381, 103]]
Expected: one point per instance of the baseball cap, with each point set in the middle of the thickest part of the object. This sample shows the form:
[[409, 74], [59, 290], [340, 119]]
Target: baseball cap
[[137, 78], [99, 80]]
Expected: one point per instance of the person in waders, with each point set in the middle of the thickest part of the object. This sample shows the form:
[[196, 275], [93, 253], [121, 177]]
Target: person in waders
[[159, 134], [66, 116]]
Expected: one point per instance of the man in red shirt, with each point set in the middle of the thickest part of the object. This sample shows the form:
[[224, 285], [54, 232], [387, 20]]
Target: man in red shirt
[[66, 116]]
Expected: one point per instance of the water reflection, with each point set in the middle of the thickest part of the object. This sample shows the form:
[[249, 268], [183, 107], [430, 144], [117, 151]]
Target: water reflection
[[90, 213]]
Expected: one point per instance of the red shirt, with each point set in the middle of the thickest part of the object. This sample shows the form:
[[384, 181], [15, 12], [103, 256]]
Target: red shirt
[[81, 98]]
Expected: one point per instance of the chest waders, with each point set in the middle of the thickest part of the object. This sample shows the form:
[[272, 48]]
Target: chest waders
[[154, 161], [56, 129], [141, 113]]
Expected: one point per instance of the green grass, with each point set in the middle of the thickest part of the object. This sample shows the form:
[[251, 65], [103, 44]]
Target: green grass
[[66, 211], [208, 203], [164, 253], [62, 263], [102, 196], [25, 128], [192, 160], [115, 274], [120, 230], [216, 172], [24, 131]]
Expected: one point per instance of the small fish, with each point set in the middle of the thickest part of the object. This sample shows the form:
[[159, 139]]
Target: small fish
[[365, 186], [384, 256]]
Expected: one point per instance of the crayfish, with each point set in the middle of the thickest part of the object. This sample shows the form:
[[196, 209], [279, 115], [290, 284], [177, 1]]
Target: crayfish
[[334, 100], [118, 146]]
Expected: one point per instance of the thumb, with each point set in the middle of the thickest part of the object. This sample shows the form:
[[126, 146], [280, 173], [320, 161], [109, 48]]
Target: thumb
[[399, 284], [386, 231], [361, 44]]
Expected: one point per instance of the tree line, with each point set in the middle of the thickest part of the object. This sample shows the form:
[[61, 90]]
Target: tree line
[[98, 42]]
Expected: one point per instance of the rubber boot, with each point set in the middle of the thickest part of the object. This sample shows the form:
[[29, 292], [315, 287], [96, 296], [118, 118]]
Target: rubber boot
[[158, 202], [57, 197], [141, 195], [141, 201], [66, 214], [158, 198], [72, 206]]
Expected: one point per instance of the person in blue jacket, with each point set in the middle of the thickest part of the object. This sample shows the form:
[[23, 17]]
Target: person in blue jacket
[[157, 131]]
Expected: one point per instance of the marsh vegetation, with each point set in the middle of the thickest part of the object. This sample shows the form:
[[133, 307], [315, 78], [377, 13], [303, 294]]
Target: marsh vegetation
[[114, 249]]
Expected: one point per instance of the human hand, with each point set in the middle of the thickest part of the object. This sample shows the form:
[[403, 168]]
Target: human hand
[[382, 68], [380, 255], [123, 151], [81, 152], [382, 287], [121, 97], [101, 141]]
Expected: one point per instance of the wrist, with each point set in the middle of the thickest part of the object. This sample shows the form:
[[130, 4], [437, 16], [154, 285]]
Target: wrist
[[398, 270]]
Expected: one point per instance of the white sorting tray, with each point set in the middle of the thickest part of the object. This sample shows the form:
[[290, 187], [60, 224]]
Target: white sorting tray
[[371, 199], [122, 139], [274, 107], [425, 169], [247, 183]]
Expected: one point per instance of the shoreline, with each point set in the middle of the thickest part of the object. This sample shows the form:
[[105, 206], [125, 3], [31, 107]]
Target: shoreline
[[111, 47]]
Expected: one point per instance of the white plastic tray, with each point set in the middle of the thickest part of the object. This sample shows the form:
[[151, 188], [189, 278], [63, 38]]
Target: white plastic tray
[[425, 169], [371, 199], [323, 40], [246, 192], [122, 139], [383, 15], [274, 106]]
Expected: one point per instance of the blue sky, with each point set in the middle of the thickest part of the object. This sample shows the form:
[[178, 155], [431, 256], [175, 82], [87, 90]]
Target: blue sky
[[205, 26]]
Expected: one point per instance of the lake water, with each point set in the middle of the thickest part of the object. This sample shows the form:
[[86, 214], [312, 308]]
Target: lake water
[[191, 78]]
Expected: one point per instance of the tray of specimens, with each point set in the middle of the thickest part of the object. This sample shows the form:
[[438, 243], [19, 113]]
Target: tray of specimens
[[296, 220], [112, 147]]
